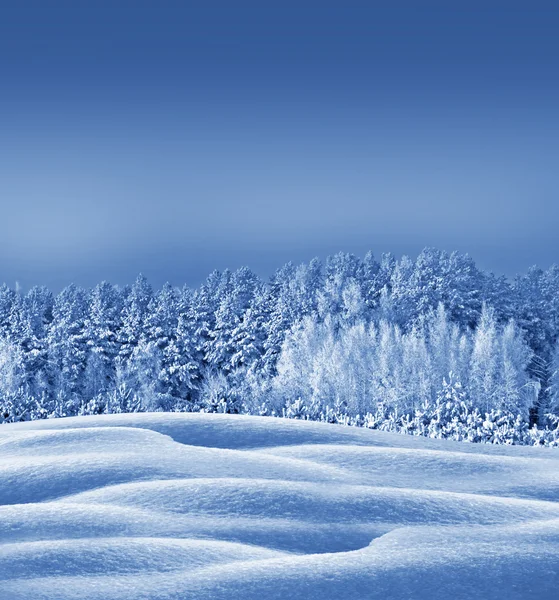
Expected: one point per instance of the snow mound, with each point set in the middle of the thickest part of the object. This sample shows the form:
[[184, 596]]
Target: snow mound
[[175, 506]]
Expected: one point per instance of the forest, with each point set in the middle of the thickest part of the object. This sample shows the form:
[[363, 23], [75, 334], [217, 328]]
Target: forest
[[433, 346]]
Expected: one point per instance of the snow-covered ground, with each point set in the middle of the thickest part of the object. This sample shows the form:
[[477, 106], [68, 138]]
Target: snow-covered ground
[[198, 506]]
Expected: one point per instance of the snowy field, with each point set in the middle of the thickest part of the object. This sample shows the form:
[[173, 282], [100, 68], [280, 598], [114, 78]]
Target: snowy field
[[200, 506]]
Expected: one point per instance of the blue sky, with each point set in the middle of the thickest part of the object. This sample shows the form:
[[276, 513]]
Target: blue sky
[[173, 138]]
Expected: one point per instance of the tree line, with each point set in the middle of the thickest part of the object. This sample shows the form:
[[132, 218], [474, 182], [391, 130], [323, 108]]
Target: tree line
[[392, 339]]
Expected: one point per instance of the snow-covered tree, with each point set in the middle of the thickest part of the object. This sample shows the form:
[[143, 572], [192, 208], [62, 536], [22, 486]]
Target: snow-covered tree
[[342, 270], [515, 392], [484, 366], [36, 316], [359, 341], [102, 328], [228, 319], [401, 297], [554, 381], [67, 344], [12, 380], [135, 311]]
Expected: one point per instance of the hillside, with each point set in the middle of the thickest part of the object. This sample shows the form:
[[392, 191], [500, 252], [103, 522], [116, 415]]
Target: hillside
[[209, 506]]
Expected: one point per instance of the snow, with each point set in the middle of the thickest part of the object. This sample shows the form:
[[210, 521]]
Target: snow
[[204, 506]]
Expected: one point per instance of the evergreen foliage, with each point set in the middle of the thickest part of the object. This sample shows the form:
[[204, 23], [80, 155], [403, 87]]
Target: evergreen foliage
[[432, 347]]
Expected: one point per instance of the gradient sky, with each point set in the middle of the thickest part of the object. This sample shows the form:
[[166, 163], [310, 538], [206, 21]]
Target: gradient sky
[[173, 138]]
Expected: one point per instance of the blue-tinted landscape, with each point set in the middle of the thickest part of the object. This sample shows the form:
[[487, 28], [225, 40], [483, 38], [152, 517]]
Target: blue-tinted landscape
[[280, 304]]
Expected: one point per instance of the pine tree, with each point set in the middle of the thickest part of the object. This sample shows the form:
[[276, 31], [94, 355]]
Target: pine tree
[[7, 301], [102, 333], [427, 281], [381, 282], [341, 271], [13, 406], [228, 318], [368, 276], [161, 331], [184, 370], [249, 336], [134, 315], [400, 293], [36, 316], [67, 345], [195, 325], [462, 287], [141, 376]]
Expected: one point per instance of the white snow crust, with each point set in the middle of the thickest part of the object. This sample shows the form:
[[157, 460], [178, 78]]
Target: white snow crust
[[206, 506]]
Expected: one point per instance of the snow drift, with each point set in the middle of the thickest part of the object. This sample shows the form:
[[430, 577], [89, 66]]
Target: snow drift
[[177, 506]]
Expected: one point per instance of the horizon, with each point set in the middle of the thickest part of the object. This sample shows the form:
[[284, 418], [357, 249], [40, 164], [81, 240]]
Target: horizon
[[267, 277]]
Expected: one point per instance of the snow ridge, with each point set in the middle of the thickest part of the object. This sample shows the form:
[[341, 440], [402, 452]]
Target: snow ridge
[[206, 506]]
